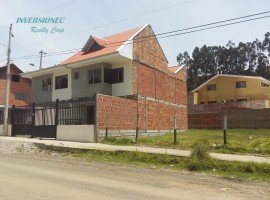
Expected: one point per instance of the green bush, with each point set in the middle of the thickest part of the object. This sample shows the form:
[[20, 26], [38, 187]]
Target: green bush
[[200, 150]]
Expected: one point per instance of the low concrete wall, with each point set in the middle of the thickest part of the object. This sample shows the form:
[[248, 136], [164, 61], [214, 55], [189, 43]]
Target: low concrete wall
[[9, 130], [76, 133]]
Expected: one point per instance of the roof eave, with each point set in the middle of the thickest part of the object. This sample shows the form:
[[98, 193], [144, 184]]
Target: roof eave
[[65, 66]]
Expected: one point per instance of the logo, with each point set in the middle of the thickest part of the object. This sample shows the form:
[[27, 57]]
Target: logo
[[41, 24]]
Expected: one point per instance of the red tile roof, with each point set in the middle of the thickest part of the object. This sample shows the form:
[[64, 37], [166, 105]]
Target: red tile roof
[[174, 68], [111, 43]]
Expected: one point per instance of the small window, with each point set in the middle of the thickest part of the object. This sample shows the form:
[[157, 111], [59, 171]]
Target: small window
[[212, 101], [76, 75], [21, 96], [241, 100], [211, 87], [47, 84], [114, 75], [95, 76], [264, 84], [241, 84], [15, 78], [61, 82], [201, 102]]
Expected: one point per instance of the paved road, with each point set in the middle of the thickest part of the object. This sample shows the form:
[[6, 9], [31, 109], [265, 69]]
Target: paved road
[[34, 176]]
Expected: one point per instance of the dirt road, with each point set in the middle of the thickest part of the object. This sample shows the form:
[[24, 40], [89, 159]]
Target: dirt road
[[39, 176]]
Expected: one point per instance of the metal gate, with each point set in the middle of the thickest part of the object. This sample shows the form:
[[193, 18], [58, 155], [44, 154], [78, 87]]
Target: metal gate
[[41, 120], [34, 121]]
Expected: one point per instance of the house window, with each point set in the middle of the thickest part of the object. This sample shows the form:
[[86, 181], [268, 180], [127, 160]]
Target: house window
[[241, 84], [47, 84], [211, 87], [264, 84], [76, 75], [21, 96], [61, 82], [113, 76], [15, 78], [201, 102], [212, 101], [95, 76]]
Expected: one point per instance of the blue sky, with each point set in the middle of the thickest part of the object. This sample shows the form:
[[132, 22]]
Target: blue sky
[[105, 17]]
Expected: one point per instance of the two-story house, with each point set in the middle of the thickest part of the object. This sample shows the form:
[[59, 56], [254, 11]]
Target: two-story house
[[20, 88], [128, 74], [224, 88]]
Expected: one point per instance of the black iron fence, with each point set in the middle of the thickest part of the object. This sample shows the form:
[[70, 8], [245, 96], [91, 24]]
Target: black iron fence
[[72, 112], [41, 119]]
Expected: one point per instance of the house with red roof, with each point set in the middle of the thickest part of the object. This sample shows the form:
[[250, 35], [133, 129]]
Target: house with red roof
[[129, 77]]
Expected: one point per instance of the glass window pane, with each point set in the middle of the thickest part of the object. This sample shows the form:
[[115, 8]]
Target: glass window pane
[[97, 76], [121, 75], [61, 82]]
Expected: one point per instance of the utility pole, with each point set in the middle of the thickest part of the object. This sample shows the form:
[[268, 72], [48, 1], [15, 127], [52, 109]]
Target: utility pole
[[41, 55], [5, 124]]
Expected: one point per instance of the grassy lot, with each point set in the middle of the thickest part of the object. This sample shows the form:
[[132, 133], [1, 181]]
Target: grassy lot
[[239, 140], [199, 162]]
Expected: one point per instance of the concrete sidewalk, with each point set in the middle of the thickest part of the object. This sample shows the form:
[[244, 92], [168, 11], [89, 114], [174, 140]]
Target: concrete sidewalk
[[107, 147]]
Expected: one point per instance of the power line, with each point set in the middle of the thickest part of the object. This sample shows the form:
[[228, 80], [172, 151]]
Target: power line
[[163, 35], [3, 45], [114, 22], [228, 24], [189, 28]]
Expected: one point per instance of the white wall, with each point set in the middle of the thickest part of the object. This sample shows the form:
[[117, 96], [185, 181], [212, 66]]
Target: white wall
[[125, 88], [76, 133], [126, 50], [62, 94], [9, 130]]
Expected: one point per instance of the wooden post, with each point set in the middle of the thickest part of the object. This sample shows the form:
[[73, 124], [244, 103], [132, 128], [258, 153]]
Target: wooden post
[[174, 131], [225, 129]]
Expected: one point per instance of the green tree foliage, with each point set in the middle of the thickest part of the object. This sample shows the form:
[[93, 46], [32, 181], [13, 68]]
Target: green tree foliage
[[250, 58]]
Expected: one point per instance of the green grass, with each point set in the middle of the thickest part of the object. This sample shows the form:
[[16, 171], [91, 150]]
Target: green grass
[[199, 162], [239, 140]]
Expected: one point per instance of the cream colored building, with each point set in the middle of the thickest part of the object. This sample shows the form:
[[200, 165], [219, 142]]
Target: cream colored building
[[232, 88]]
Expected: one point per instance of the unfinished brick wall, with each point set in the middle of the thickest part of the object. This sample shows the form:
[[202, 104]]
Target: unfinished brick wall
[[236, 118], [216, 107], [117, 113], [158, 85], [150, 74], [156, 115], [148, 50], [204, 121]]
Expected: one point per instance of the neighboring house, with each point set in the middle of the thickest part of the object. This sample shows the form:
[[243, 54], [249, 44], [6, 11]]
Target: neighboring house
[[180, 71], [223, 88], [20, 88], [130, 65]]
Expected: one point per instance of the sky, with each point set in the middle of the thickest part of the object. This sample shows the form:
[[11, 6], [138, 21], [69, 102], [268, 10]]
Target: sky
[[106, 17]]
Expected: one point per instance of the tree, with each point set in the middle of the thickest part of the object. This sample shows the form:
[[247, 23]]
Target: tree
[[251, 58]]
